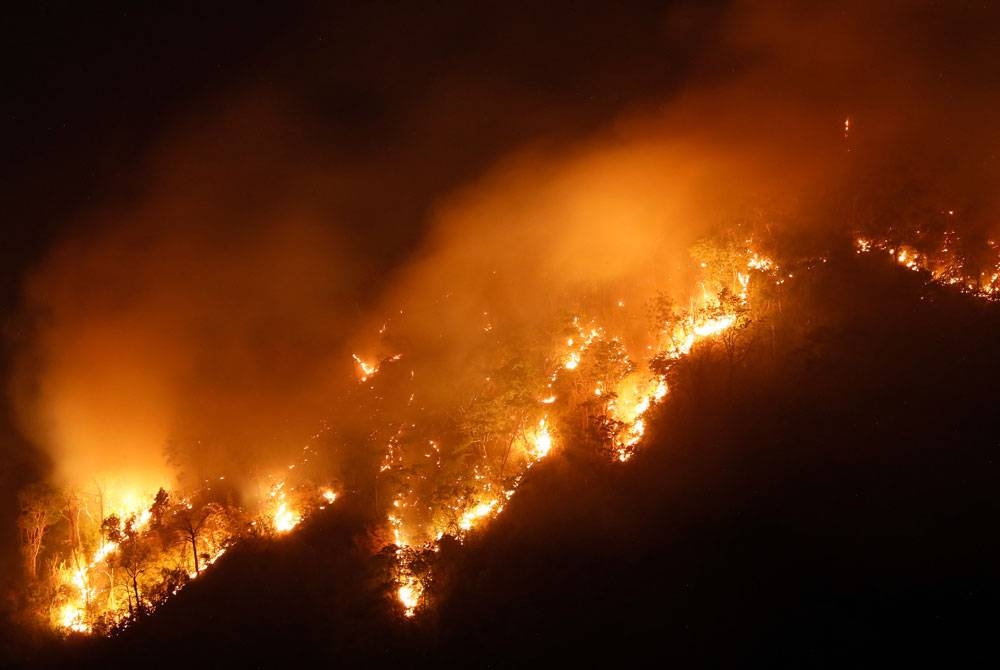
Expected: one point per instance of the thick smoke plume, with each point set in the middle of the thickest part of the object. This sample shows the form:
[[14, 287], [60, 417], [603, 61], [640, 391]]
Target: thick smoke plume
[[199, 316]]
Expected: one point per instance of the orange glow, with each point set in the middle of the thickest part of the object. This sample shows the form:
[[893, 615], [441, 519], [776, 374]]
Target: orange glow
[[285, 519], [365, 368], [627, 400], [541, 441], [471, 516], [409, 594], [941, 262], [714, 326]]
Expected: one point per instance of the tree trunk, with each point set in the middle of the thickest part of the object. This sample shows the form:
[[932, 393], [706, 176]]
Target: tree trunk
[[33, 549], [72, 515], [506, 455], [131, 608], [111, 590], [34, 546], [194, 550], [135, 589]]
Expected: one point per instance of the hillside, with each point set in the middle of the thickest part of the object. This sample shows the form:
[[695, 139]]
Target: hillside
[[836, 507]]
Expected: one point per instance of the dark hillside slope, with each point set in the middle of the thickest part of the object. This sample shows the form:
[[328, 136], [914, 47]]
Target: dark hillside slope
[[839, 505]]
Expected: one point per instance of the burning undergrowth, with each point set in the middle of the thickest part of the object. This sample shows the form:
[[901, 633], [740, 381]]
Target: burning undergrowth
[[584, 381]]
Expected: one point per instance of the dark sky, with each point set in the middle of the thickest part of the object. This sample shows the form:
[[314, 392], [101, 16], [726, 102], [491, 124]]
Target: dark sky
[[88, 91]]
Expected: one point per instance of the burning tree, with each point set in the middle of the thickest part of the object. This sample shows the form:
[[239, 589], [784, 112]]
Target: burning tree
[[580, 379], [733, 338], [135, 550], [502, 407], [194, 522], [39, 510]]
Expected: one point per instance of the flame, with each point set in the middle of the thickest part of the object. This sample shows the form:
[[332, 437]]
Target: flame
[[418, 522], [937, 258], [624, 398], [71, 618], [661, 390], [760, 263], [77, 584], [409, 593], [86, 584], [104, 551], [541, 441], [471, 516], [710, 327], [365, 368], [627, 404], [285, 519], [633, 398]]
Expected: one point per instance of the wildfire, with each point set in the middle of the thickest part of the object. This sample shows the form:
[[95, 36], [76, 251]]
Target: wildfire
[[541, 441], [367, 369], [97, 594], [592, 365], [759, 263], [714, 326], [104, 551], [469, 514], [579, 344], [71, 618], [627, 400], [409, 594], [79, 586], [937, 258], [633, 398], [474, 514], [285, 519]]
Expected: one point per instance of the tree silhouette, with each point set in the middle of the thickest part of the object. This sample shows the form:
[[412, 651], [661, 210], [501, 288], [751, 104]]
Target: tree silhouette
[[134, 553], [39, 510], [734, 338], [192, 521]]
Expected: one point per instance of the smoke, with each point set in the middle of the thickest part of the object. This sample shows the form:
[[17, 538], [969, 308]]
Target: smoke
[[212, 310], [200, 314]]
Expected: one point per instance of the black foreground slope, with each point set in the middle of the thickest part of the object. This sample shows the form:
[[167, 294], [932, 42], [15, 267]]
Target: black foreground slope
[[838, 507]]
